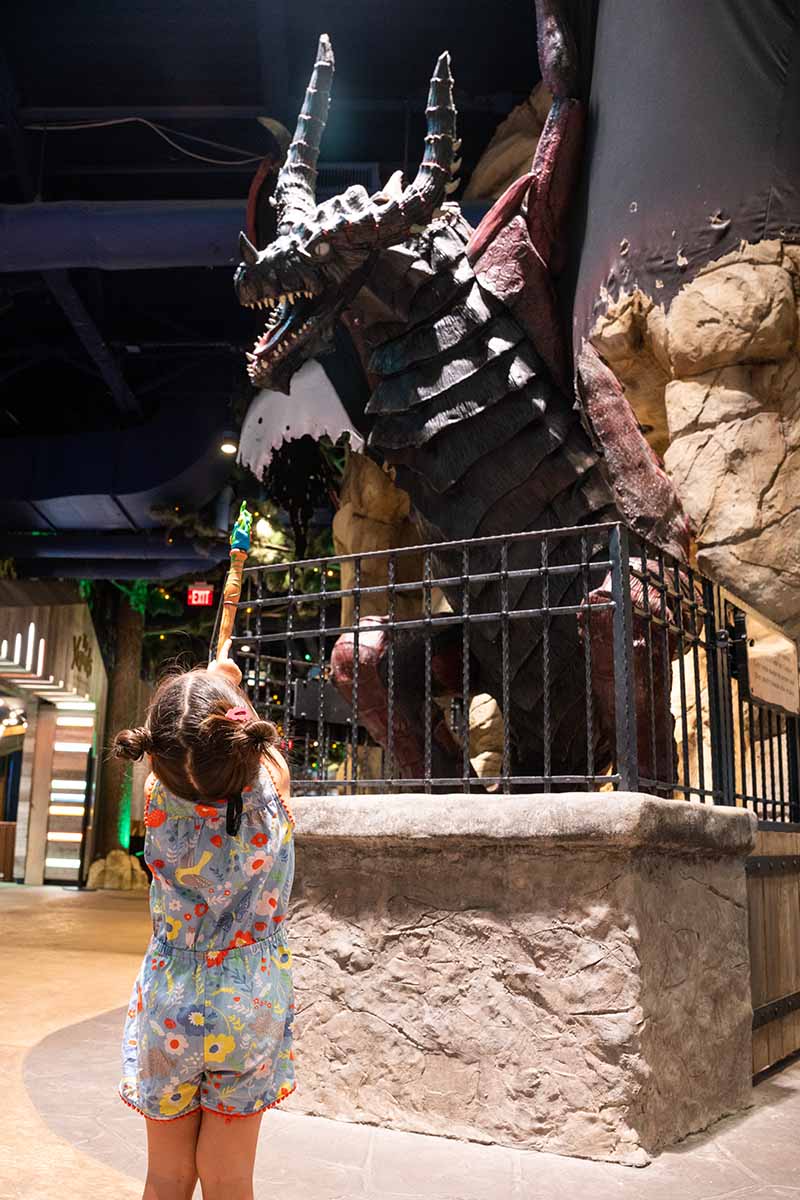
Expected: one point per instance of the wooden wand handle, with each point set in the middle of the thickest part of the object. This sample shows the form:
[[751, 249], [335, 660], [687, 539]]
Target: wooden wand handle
[[230, 597]]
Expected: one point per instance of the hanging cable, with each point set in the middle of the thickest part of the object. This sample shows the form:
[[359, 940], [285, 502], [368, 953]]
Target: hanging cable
[[166, 134]]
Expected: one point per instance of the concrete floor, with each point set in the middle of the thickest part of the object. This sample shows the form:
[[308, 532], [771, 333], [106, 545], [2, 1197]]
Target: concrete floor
[[67, 960]]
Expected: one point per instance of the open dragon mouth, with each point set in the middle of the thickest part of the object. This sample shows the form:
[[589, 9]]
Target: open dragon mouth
[[293, 318]]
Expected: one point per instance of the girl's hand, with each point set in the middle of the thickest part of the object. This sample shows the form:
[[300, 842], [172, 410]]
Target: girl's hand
[[223, 666]]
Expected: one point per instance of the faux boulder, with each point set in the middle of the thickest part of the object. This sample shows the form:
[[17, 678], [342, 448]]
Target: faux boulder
[[715, 383], [118, 871], [732, 312], [564, 973], [510, 152], [373, 515]]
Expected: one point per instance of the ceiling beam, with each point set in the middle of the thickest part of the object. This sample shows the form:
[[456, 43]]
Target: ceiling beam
[[273, 59], [31, 360], [114, 546], [128, 235], [139, 568], [497, 102], [58, 280], [92, 341], [15, 131]]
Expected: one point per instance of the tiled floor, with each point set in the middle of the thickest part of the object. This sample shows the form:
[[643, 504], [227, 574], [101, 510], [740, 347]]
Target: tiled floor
[[67, 961]]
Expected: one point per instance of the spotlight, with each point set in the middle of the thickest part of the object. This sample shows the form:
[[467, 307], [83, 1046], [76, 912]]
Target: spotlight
[[229, 443]]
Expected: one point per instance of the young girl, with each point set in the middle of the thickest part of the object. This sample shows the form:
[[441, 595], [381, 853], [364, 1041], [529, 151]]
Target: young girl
[[208, 1036]]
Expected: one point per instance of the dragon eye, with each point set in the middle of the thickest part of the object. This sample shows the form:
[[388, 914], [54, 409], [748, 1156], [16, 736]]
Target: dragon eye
[[322, 249]]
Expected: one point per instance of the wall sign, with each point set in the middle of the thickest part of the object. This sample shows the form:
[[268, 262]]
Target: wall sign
[[200, 595], [772, 667], [766, 661], [82, 659]]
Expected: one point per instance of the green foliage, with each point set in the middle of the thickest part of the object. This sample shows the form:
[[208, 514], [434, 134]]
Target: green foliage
[[192, 524], [303, 475], [136, 592], [165, 600]]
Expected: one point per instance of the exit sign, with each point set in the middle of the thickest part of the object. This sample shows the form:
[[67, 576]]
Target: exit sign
[[200, 595]]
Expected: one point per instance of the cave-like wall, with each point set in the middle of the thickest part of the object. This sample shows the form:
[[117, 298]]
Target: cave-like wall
[[692, 143]]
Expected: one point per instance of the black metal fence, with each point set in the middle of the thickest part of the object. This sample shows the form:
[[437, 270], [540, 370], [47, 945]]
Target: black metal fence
[[578, 658]]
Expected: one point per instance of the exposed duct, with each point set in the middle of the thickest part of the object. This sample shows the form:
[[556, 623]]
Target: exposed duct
[[130, 235], [139, 568], [109, 546]]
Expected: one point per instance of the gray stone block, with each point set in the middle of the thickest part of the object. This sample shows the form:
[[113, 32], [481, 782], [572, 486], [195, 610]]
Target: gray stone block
[[567, 973]]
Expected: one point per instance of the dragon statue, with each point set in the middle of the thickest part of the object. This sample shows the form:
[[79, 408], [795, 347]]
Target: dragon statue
[[473, 403]]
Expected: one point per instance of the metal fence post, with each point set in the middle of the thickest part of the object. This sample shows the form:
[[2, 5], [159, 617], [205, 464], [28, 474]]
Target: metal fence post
[[624, 678], [720, 698], [793, 748]]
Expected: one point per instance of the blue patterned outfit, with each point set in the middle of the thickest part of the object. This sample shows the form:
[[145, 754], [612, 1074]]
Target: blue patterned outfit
[[210, 1019]]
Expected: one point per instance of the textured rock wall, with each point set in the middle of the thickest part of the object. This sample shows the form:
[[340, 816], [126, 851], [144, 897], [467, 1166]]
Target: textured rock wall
[[373, 514], [586, 999], [715, 381], [691, 917], [510, 152]]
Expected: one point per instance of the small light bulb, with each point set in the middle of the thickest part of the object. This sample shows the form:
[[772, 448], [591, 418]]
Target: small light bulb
[[228, 446]]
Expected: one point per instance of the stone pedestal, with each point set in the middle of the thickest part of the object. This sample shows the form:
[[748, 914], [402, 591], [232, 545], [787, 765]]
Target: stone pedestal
[[568, 973]]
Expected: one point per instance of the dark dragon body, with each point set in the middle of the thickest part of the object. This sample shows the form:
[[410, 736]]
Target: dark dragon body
[[471, 403]]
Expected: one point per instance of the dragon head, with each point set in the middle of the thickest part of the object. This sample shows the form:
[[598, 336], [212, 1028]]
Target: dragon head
[[322, 253]]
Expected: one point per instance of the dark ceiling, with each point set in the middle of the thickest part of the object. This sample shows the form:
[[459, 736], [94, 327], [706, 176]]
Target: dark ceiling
[[100, 367]]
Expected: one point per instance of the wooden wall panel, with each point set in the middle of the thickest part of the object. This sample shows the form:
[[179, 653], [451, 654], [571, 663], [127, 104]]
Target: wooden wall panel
[[774, 924]]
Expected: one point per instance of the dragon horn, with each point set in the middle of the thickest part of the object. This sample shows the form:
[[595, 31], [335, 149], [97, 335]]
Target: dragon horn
[[434, 170], [394, 216], [294, 191]]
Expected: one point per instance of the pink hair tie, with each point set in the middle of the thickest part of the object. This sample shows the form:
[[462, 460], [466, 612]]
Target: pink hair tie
[[238, 714]]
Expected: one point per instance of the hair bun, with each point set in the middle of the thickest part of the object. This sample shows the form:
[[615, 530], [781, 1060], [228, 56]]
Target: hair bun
[[133, 743], [260, 734]]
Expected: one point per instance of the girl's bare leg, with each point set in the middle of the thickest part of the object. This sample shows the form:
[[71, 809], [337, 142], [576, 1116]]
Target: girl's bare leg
[[226, 1153], [171, 1148]]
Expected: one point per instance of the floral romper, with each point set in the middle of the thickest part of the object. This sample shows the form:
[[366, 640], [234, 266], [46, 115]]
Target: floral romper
[[210, 1019]]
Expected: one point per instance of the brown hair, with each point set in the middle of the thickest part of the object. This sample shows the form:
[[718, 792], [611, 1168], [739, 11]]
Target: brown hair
[[197, 751]]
